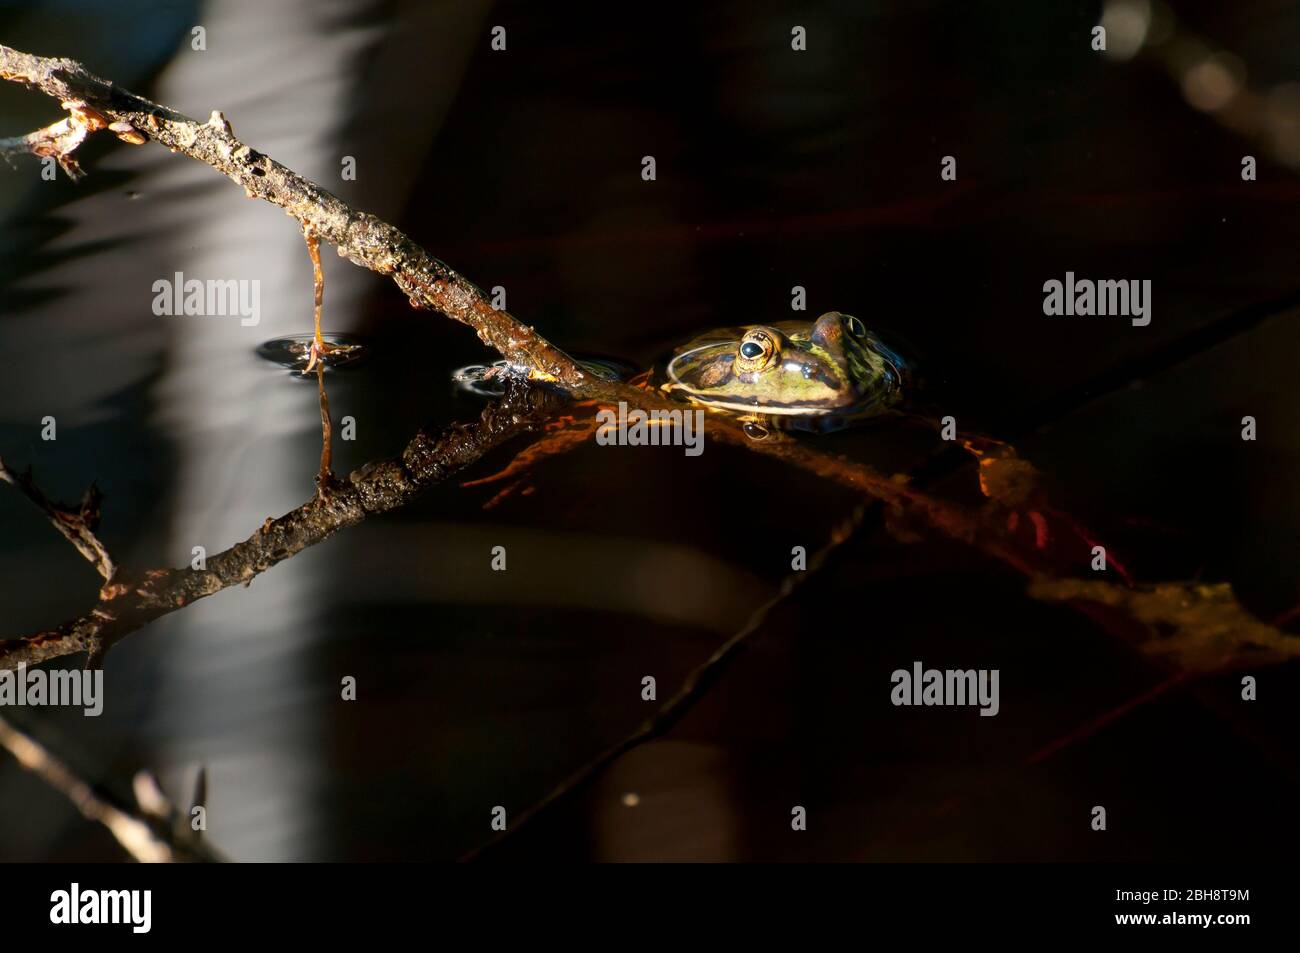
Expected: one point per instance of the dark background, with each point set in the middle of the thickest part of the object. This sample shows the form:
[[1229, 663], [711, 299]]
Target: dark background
[[775, 168]]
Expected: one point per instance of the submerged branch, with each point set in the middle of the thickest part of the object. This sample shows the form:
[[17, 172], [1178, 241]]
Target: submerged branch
[[137, 599], [697, 682], [142, 833]]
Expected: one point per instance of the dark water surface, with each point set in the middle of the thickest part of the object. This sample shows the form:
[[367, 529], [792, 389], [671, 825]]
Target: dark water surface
[[522, 169]]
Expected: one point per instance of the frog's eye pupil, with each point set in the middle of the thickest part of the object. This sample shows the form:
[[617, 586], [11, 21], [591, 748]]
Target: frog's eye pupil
[[751, 349], [856, 327]]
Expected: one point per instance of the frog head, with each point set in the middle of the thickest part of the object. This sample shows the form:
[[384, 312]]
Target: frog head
[[819, 375]]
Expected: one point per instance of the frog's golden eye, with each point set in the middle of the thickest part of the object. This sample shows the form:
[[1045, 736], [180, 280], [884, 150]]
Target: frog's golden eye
[[856, 327], [757, 348]]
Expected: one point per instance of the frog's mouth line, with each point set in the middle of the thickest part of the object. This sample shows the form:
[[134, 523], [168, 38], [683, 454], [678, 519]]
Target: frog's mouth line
[[764, 410], [747, 408]]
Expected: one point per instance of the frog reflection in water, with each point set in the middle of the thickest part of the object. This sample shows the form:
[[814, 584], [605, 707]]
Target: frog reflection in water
[[820, 376]]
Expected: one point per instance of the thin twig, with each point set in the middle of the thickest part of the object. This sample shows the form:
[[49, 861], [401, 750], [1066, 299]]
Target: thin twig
[[77, 526], [140, 838], [325, 477], [56, 141], [692, 689]]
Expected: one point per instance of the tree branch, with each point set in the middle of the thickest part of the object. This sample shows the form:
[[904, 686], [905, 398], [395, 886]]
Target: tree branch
[[362, 238], [76, 526], [57, 141], [134, 600], [142, 836]]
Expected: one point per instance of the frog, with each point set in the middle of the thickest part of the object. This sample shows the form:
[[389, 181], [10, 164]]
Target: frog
[[817, 375]]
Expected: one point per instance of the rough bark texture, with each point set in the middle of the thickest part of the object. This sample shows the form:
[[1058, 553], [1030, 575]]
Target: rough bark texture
[[131, 602], [364, 239], [77, 526], [128, 602]]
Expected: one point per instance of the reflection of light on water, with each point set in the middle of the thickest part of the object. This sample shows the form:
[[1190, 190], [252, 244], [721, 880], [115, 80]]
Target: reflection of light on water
[[1126, 23], [242, 687], [1212, 80], [484, 380], [240, 683], [686, 803], [489, 380], [294, 350], [1282, 109]]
